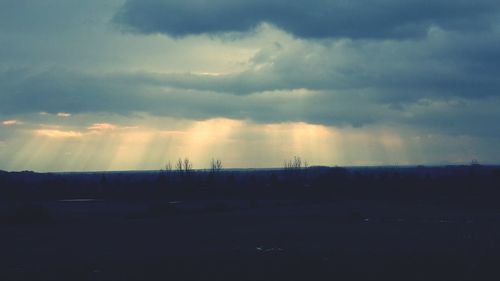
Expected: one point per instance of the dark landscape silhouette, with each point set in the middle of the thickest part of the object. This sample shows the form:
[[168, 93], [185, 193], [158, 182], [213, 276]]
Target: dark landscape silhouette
[[295, 222], [249, 140]]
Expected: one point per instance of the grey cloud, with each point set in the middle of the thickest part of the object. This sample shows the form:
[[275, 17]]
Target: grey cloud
[[50, 16], [353, 82], [307, 19], [58, 90], [455, 116], [442, 65], [23, 91]]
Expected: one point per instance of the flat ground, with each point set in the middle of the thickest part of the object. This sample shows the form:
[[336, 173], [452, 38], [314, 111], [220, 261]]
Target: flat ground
[[259, 239]]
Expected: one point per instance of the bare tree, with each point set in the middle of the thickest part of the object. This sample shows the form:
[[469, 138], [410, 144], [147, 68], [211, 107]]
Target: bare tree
[[294, 164], [168, 167], [179, 166], [165, 173], [184, 166], [188, 166], [215, 169], [297, 162], [215, 165], [296, 168]]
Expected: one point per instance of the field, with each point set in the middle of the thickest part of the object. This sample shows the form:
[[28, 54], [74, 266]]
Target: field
[[398, 223]]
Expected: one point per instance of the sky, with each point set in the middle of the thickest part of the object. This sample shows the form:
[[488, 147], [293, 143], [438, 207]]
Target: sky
[[89, 85]]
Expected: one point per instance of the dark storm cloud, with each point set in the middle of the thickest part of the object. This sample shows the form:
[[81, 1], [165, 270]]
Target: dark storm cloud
[[307, 19], [24, 91], [59, 90], [442, 65], [454, 52]]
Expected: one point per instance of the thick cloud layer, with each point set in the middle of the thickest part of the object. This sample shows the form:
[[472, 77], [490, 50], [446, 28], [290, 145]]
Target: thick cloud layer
[[307, 19], [60, 90]]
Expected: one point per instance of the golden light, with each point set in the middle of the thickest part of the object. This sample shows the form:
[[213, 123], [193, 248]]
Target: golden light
[[58, 133], [101, 126], [238, 143], [11, 122]]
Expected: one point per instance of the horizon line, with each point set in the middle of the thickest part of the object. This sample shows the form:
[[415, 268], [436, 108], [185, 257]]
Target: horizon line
[[265, 168]]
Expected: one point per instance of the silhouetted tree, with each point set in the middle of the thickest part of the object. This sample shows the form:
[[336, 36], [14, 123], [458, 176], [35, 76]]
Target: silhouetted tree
[[168, 167], [215, 170], [184, 166], [295, 169], [188, 166], [179, 166], [185, 169], [215, 166], [165, 174]]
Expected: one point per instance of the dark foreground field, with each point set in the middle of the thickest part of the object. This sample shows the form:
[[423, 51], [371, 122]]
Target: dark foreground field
[[318, 230]]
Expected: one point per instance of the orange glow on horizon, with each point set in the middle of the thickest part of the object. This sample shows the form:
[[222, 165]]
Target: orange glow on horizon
[[238, 143]]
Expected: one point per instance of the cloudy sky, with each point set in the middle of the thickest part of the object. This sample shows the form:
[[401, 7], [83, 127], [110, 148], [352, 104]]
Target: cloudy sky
[[121, 85]]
